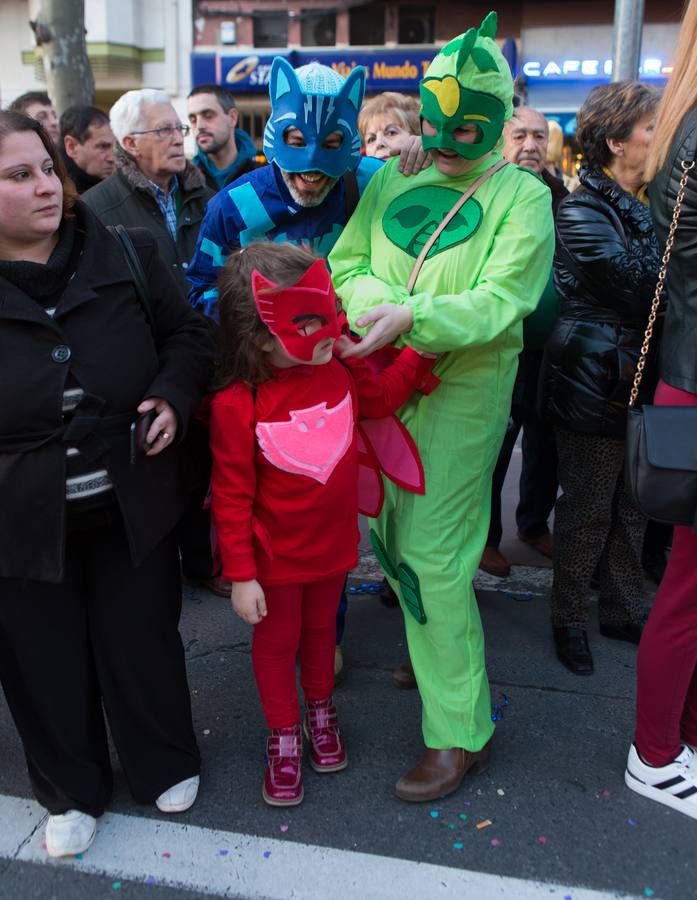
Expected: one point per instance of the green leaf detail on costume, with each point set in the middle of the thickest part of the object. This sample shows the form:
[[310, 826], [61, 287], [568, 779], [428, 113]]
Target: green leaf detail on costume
[[490, 23], [483, 60], [410, 220], [381, 555], [411, 592], [466, 40]]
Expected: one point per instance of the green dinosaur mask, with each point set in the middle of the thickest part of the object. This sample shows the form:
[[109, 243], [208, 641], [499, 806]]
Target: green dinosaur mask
[[469, 82]]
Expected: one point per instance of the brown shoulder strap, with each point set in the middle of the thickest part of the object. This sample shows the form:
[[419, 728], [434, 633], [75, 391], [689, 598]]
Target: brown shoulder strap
[[460, 202]]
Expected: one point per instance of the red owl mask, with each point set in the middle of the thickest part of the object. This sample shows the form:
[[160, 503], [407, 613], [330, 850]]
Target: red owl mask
[[283, 310]]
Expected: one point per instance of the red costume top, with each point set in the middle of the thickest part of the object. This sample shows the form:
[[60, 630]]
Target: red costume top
[[285, 466]]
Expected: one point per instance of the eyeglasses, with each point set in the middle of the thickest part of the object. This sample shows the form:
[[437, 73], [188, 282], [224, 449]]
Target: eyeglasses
[[165, 132]]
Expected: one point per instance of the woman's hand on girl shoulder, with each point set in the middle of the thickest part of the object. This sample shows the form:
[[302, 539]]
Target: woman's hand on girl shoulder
[[248, 601], [388, 321]]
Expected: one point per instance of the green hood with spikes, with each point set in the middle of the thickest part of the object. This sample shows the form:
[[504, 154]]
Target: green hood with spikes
[[469, 82]]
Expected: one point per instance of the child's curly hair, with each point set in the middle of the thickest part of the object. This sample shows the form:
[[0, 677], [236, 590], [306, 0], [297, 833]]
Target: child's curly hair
[[242, 334]]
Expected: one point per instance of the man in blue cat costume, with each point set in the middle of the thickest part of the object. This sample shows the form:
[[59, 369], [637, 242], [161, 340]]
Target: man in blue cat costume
[[315, 176]]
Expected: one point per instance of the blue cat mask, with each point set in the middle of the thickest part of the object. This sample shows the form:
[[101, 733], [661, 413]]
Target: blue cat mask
[[316, 114]]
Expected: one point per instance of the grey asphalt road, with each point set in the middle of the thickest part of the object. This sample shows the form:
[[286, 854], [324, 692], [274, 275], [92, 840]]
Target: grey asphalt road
[[554, 793]]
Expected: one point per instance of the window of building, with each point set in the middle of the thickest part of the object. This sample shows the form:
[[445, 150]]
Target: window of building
[[416, 25], [367, 24], [317, 29], [270, 29]]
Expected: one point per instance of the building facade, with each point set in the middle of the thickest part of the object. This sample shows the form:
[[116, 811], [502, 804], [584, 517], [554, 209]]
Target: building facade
[[130, 44], [558, 50]]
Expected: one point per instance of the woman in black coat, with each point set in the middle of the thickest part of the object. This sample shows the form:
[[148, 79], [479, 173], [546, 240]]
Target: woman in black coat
[[605, 271], [90, 591]]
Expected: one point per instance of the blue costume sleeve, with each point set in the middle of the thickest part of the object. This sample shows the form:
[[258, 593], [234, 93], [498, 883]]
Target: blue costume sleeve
[[365, 170], [220, 232]]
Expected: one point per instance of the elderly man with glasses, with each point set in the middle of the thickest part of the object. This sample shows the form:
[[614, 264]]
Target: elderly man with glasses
[[154, 186]]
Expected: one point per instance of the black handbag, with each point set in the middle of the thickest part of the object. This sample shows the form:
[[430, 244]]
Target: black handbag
[[661, 452]]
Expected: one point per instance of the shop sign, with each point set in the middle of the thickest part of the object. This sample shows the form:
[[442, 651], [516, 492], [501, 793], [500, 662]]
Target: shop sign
[[387, 70], [580, 69]]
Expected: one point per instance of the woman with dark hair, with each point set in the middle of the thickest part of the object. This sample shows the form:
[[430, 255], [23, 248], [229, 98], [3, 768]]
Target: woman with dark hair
[[90, 591], [605, 271], [662, 763]]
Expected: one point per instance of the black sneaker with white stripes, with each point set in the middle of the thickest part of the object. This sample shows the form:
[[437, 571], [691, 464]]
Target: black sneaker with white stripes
[[674, 785]]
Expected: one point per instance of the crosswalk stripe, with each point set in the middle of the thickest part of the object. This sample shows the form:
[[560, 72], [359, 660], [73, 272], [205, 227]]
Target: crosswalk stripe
[[229, 864]]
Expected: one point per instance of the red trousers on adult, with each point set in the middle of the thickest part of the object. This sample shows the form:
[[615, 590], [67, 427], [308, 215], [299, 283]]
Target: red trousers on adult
[[667, 660], [300, 623]]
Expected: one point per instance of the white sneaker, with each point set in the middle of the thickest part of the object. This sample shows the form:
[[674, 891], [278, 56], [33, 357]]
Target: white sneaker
[[179, 797], [70, 833], [674, 785]]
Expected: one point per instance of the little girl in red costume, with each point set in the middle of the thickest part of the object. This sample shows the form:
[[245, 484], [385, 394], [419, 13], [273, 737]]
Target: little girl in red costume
[[285, 485]]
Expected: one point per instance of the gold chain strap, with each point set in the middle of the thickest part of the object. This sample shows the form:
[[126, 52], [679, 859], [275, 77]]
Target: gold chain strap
[[660, 284]]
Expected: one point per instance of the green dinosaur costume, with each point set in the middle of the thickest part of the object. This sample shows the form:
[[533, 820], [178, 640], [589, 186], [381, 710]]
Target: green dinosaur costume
[[484, 274]]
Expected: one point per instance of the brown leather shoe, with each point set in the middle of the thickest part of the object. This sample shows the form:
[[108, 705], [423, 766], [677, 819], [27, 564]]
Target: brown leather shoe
[[403, 677], [542, 543], [495, 563], [440, 772]]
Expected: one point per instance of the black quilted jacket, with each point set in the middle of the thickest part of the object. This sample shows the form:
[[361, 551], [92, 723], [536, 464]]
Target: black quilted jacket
[[605, 270], [678, 365]]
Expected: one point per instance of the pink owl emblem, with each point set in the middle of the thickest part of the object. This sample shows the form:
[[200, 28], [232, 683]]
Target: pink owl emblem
[[312, 443]]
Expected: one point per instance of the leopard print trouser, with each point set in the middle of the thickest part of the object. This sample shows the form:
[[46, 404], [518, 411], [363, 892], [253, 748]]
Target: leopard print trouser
[[596, 527]]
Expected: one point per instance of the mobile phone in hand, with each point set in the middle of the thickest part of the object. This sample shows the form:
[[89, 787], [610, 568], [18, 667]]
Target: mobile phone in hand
[[139, 435]]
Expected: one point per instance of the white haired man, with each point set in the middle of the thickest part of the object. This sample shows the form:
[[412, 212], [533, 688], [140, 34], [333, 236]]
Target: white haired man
[[154, 186], [157, 188]]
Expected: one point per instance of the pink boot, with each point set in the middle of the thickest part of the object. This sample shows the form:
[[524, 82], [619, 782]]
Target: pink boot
[[283, 779], [327, 748]]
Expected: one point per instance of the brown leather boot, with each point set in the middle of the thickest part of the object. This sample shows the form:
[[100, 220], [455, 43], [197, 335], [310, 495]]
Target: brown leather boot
[[440, 772], [493, 562]]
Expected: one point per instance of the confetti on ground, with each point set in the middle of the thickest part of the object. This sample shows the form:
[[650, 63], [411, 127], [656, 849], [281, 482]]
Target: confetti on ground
[[542, 839], [434, 813], [500, 792], [79, 856], [631, 821], [605, 793], [497, 708], [520, 597], [484, 824], [458, 846], [206, 731], [116, 886], [267, 854], [284, 828], [167, 855], [150, 880], [451, 827], [648, 892], [372, 587], [223, 852], [463, 817], [495, 842]]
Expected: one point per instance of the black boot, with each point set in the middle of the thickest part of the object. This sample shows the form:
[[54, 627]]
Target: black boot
[[573, 650]]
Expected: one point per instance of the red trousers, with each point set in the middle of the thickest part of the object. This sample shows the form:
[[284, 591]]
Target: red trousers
[[300, 621], [667, 660]]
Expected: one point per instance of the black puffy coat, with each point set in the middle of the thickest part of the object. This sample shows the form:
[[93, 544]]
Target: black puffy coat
[[101, 335], [605, 271], [678, 366]]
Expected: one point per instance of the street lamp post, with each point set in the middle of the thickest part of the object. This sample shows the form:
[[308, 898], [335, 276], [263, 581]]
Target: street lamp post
[[626, 45]]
